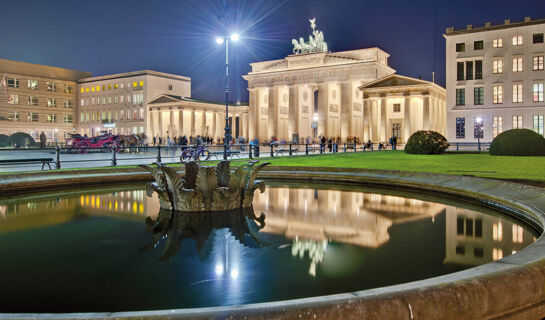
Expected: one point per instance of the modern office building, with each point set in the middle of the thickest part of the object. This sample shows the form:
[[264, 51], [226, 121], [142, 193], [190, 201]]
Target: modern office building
[[494, 79], [39, 98]]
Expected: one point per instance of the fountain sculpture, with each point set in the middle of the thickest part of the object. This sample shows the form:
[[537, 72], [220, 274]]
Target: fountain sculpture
[[205, 188]]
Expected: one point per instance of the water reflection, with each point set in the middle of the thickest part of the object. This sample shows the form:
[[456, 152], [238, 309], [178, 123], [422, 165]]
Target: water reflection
[[242, 224]]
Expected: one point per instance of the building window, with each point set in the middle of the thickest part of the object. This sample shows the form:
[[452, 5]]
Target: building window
[[51, 102], [51, 86], [497, 94], [538, 124], [538, 63], [497, 231], [538, 38], [33, 84], [460, 73], [469, 70], [478, 130], [460, 47], [129, 98], [116, 117], [134, 84], [478, 45], [121, 99], [538, 92], [517, 93], [517, 40], [518, 234], [517, 64], [109, 87], [460, 97], [141, 83], [517, 122], [97, 88], [103, 100], [51, 117], [460, 128], [13, 82], [141, 114], [109, 99], [497, 43], [497, 125], [82, 102], [115, 86], [121, 85], [121, 115], [13, 99], [128, 114], [497, 66], [478, 97], [13, 116], [68, 88], [87, 90], [32, 117], [87, 116], [115, 99], [68, 118], [170, 87], [478, 69], [497, 254], [82, 117], [397, 107], [68, 104], [32, 101]]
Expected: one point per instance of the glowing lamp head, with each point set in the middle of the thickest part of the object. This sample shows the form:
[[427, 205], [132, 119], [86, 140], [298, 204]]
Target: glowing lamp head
[[479, 119], [219, 40], [235, 37], [315, 117]]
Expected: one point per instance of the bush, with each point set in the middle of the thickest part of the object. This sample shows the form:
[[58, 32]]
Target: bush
[[4, 140], [426, 142], [518, 142], [22, 139]]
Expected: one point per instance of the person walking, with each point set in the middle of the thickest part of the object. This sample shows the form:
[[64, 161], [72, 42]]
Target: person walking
[[43, 140], [154, 141], [330, 144], [322, 144]]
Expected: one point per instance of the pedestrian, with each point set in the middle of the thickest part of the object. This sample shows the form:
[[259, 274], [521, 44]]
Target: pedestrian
[[330, 144], [394, 142], [43, 140], [322, 144], [154, 141], [160, 140]]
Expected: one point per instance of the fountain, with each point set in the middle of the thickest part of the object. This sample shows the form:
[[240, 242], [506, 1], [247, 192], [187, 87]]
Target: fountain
[[205, 188]]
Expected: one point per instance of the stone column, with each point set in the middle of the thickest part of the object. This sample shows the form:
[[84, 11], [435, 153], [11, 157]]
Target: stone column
[[252, 113], [180, 122], [374, 124], [383, 122], [192, 122], [159, 123], [214, 130], [407, 118], [245, 125], [426, 113], [172, 127], [203, 123], [151, 129]]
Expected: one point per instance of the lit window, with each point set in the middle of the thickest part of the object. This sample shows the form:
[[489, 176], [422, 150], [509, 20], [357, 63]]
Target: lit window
[[497, 66], [82, 103], [103, 87], [109, 87], [517, 234], [82, 117], [121, 85], [121, 99], [110, 99], [51, 102], [538, 63], [497, 94], [478, 130], [13, 99], [13, 116], [115, 99], [82, 90], [98, 88], [32, 117], [497, 125], [497, 232], [51, 117], [497, 43], [115, 86], [141, 84], [33, 84], [497, 254], [135, 84], [517, 93], [86, 89], [51, 86], [517, 40], [517, 64], [460, 128], [538, 124], [141, 113], [538, 92], [517, 122], [92, 89]]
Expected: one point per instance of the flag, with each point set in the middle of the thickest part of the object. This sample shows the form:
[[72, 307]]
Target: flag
[[4, 84]]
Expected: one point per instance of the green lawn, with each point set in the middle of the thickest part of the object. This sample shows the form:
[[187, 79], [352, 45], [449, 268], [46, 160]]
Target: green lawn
[[482, 165]]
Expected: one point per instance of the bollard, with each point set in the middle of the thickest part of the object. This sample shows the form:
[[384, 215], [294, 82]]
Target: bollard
[[457, 147], [158, 153], [250, 151], [344, 148], [306, 148], [58, 162], [114, 158], [290, 149], [355, 147], [272, 150]]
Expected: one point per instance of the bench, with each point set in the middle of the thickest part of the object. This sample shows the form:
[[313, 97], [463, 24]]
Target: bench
[[43, 161], [287, 150], [216, 154]]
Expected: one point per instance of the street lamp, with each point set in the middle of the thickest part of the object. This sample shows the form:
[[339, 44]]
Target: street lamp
[[479, 121], [220, 40]]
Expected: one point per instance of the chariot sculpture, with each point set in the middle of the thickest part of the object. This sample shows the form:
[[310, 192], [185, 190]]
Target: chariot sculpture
[[205, 188], [316, 42]]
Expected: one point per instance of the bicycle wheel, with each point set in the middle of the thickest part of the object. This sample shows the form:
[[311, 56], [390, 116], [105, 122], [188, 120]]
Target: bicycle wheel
[[186, 155], [204, 155]]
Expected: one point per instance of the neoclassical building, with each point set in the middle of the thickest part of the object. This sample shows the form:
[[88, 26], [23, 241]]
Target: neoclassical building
[[398, 106]]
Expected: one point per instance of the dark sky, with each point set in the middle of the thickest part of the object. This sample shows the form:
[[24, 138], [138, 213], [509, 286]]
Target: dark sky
[[107, 36]]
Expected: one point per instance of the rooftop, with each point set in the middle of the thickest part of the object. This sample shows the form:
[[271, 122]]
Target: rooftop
[[489, 26], [38, 70], [135, 74]]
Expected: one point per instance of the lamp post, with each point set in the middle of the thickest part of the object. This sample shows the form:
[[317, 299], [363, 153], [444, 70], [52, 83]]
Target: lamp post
[[479, 121], [220, 41]]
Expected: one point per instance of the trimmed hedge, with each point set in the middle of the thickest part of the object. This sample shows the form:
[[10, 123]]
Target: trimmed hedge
[[518, 142], [22, 139], [426, 142], [4, 140]]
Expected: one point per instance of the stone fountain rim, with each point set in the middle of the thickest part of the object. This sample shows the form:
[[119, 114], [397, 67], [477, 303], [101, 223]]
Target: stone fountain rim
[[484, 291]]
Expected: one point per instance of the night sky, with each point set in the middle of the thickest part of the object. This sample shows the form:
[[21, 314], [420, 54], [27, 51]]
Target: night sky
[[105, 37]]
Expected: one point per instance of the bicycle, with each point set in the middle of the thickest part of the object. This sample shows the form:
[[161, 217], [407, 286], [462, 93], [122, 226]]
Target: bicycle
[[197, 153]]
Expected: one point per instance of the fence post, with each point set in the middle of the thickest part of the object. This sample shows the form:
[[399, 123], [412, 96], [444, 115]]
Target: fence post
[[306, 148], [158, 153], [355, 147], [290, 149], [457, 147], [344, 147], [250, 151], [479, 145], [114, 158], [272, 150], [58, 153]]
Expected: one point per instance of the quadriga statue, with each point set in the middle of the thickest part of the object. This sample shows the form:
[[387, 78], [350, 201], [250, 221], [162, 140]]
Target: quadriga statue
[[205, 188]]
